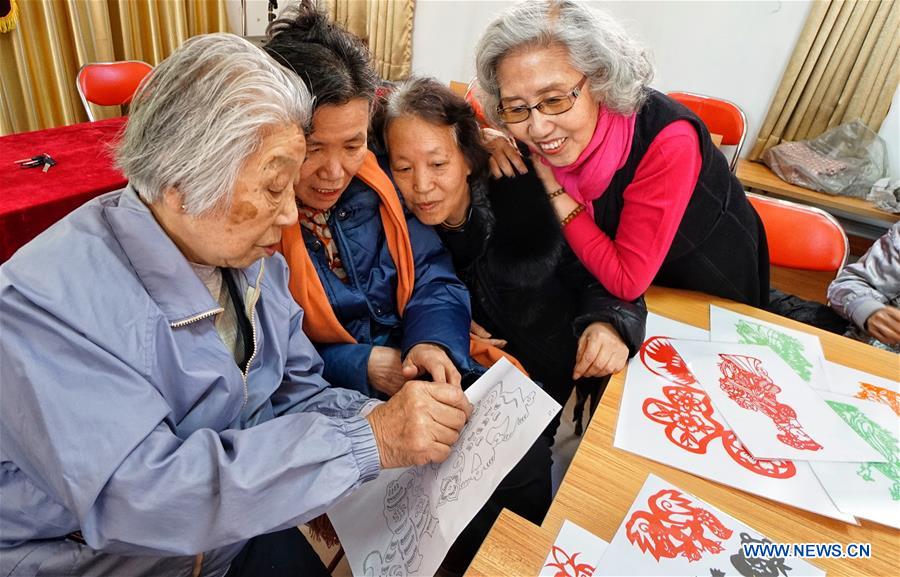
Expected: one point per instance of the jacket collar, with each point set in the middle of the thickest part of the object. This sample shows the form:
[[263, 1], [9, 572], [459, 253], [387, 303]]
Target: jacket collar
[[165, 273]]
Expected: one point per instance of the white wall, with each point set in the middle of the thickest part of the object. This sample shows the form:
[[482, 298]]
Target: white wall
[[256, 19], [735, 50], [890, 132]]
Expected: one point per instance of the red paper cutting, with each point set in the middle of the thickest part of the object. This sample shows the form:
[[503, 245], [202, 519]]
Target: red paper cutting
[[674, 526], [747, 383], [568, 566], [688, 414], [661, 358]]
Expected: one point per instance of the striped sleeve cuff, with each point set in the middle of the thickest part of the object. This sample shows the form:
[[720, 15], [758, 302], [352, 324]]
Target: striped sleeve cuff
[[364, 448]]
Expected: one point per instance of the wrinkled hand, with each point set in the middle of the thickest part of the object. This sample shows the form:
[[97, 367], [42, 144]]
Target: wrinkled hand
[[505, 158], [431, 359], [601, 352], [419, 424], [884, 325], [385, 370], [476, 331]]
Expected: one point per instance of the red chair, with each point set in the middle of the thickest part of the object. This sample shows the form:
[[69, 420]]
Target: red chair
[[720, 116], [473, 94], [110, 83], [801, 237]]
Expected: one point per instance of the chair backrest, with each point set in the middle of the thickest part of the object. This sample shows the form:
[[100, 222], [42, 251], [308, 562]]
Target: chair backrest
[[801, 237], [472, 97], [720, 116], [110, 83]]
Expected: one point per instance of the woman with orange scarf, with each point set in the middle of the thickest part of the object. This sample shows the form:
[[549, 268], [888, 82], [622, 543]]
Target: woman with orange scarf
[[382, 303]]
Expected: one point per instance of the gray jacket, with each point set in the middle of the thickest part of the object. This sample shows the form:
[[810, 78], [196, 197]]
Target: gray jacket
[[125, 417], [869, 284]]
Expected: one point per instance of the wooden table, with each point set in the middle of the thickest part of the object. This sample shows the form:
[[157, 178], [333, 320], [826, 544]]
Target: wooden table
[[758, 176], [603, 481]]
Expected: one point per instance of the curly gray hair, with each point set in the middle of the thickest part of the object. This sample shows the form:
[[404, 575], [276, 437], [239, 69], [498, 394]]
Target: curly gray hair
[[617, 67], [201, 114]]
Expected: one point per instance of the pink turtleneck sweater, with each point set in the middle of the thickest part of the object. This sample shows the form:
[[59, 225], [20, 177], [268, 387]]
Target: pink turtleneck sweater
[[655, 202]]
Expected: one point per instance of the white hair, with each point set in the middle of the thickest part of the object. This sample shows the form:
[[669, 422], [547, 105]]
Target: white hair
[[617, 67], [201, 114]]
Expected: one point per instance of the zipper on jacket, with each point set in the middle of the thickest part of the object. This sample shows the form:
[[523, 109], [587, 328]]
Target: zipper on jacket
[[253, 298], [195, 318]]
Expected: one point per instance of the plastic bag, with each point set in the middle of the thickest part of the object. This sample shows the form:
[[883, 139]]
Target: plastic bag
[[885, 194], [846, 160]]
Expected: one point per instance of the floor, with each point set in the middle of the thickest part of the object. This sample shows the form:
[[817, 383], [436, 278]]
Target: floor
[[563, 450]]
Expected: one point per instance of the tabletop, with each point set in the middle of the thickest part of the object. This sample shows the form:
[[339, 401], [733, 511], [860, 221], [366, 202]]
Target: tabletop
[[602, 481], [31, 199]]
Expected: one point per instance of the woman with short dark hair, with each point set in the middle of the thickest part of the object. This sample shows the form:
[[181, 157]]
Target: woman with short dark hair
[[381, 300], [527, 287]]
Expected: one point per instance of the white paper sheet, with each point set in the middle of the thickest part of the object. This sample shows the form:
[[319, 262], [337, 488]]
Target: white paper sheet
[[851, 382], [715, 454], [774, 413], [801, 351], [404, 522], [575, 553], [867, 490], [670, 532]]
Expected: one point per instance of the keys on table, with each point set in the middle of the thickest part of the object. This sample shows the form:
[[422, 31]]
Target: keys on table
[[44, 160]]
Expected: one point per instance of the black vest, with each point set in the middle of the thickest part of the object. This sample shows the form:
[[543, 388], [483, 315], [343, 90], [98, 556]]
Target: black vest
[[720, 246]]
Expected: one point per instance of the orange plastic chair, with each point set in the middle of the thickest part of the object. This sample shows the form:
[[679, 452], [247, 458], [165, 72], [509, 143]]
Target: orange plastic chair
[[801, 237], [472, 92], [109, 83], [720, 116]]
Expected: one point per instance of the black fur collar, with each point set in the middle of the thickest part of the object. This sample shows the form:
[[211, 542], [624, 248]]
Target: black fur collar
[[527, 241]]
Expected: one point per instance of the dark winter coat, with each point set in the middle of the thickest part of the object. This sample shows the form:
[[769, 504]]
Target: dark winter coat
[[526, 284]]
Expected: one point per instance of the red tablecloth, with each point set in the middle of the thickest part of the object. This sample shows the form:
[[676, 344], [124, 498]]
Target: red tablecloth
[[31, 200]]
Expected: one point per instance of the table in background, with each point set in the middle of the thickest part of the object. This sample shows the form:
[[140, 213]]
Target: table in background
[[602, 481], [31, 200], [859, 217]]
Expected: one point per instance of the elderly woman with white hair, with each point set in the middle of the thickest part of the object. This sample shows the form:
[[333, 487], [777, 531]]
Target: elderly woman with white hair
[[163, 413], [642, 193]]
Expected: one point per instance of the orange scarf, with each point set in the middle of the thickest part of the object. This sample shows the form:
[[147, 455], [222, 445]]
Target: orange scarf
[[319, 321]]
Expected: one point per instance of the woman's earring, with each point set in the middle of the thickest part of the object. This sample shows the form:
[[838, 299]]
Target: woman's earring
[[184, 208]]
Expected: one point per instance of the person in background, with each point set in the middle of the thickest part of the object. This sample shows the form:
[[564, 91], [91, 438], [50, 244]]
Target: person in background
[[528, 289], [382, 302], [163, 413], [641, 192], [867, 293]]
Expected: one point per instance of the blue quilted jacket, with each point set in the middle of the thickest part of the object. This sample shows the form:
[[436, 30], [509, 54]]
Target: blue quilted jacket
[[438, 311]]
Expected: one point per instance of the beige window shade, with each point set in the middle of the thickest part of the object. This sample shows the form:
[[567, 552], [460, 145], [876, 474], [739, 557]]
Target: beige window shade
[[846, 65], [54, 38], [385, 26]]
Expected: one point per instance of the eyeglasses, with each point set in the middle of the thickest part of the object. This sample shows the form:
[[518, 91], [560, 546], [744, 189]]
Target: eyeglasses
[[552, 106]]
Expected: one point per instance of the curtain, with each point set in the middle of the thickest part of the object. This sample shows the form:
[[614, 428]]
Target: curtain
[[385, 26], [846, 65], [54, 38]]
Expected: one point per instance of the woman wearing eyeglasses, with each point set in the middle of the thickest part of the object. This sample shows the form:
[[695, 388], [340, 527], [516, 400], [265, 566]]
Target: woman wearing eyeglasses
[[641, 192]]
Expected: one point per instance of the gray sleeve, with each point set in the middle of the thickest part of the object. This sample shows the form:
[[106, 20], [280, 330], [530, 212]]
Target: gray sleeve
[[871, 283], [303, 387], [133, 485], [181, 497]]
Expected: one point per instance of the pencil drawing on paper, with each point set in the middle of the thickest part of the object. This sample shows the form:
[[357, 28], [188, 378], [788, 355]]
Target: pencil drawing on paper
[[410, 512]]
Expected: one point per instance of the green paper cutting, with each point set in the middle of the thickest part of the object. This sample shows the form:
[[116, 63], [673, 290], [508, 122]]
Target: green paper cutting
[[881, 439], [789, 348]]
